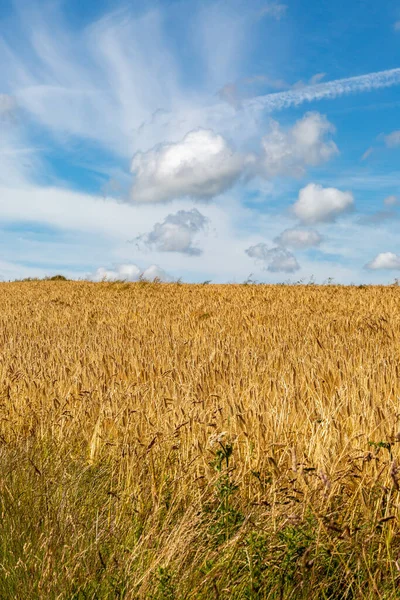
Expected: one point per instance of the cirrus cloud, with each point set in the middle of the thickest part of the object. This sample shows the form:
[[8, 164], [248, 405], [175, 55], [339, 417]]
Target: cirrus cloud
[[276, 10], [7, 105]]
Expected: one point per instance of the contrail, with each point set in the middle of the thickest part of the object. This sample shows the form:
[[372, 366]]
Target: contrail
[[330, 89]]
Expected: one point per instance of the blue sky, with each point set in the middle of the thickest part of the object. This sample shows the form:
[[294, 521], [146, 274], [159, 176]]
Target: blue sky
[[200, 140]]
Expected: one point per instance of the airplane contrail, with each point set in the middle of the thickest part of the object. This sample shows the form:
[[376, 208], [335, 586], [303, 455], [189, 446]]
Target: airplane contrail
[[329, 89]]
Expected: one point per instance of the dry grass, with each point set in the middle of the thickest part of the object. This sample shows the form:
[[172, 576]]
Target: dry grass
[[188, 441]]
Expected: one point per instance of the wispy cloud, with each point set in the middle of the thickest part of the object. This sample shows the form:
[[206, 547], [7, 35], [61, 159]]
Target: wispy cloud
[[378, 217], [276, 10], [92, 83], [381, 216], [7, 105], [122, 87], [327, 90], [391, 200], [95, 83], [393, 139], [367, 153]]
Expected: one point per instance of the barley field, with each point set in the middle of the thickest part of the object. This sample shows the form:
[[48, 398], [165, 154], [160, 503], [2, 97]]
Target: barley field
[[172, 441]]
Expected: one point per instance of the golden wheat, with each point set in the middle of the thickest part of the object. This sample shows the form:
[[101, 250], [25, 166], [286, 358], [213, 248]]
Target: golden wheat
[[118, 400]]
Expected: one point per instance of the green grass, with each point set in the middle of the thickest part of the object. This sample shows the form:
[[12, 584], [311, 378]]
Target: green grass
[[61, 538]]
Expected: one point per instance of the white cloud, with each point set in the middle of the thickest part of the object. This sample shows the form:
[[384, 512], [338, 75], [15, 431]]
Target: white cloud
[[201, 166], [378, 217], [316, 204], [176, 233], [7, 105], [230, 94], [276, 10], [367, 153], [94, 83], [111, 81], [298, 238], [155, 272], [393, 139], [83, 232], [274, 259], [276, 84], [391, 200], [19, 161], [129, 272], [106, 83], [244, 124], [329, 89], [221, 56], [314, 80], [396, 26], [305, 144], [385, 260], [317, 78], [235, 93], [68, 210], [123, 272]]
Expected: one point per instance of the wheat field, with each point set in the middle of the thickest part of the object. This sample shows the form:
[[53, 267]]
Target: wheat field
[[199, 441]]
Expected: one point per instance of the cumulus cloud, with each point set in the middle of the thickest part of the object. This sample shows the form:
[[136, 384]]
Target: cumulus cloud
[[298, 238], [273, 259], [316, 204], [393, 139], [305, 144], [125, 272], [176, 232], [276, 10], [384, 260], [155, 272], [129, 272], [200, 166]]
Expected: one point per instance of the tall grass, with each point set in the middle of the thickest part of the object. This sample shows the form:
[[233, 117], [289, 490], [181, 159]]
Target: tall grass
[[164, 441]]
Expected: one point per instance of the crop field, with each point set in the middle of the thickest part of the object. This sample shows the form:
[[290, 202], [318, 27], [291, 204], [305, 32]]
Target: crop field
[[171, 441]]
